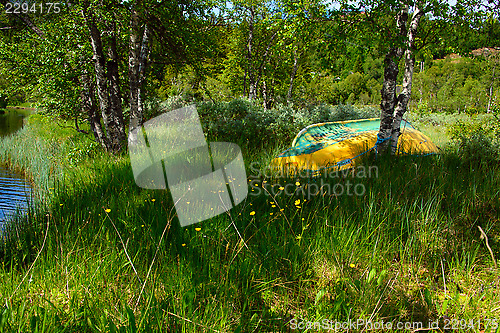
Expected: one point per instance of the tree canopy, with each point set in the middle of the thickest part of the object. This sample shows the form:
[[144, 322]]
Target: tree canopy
[[100, 61]]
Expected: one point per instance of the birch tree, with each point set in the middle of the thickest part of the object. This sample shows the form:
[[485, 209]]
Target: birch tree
[[399, 39], [138, 55], [393, 106], [106, 75], [81, 56], [262, 30]]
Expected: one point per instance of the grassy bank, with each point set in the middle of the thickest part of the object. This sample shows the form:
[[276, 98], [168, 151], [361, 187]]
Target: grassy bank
[[102, 255]]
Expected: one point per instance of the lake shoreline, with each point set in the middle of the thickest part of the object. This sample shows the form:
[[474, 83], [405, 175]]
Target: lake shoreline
[[16, 191]]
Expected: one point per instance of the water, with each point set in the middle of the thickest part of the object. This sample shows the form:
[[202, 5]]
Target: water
[[15, 190], [10, 122], [14, 194]]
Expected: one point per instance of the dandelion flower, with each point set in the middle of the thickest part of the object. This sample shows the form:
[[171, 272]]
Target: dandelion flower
[[352, 265], [60, 204], [273, 206], [281, 188], [297, 202], [107, 210], [197, 229], [271, 213], [252, 213], [153, 200], [183, 244], [297, 183]]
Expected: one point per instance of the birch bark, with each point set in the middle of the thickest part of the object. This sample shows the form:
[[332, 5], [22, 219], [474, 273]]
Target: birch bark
[[388, 92], [394, 107], [138, 55], [89, 107], [114, 132], [404, 96]]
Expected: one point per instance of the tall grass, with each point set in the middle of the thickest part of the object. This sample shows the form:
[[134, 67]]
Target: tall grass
[[106, 256]]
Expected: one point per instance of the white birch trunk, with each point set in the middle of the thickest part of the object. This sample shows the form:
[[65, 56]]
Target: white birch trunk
[[138, 54], [388, 91], [404, 97], [252, 87], [133, 71]]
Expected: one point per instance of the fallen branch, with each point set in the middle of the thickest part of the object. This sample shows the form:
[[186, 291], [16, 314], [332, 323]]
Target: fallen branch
[[483, 235]]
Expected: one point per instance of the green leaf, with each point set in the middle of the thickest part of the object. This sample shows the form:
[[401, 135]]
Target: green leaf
[[381, 277], [319, 296], [372, 274]]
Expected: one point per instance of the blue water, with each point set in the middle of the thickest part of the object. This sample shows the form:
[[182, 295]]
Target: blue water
[[15, 190]]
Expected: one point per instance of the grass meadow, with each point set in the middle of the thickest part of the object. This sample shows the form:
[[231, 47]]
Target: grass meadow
[[96, 253]]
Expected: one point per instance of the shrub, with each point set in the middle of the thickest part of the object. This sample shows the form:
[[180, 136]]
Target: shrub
[[476, 144], [347, 112], [321, 113], [247, 123], [477, 149]]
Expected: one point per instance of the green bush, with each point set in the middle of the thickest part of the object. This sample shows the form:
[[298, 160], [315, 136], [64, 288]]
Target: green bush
[[80, 151], [246, 122], [478, 150], [343, 112], [476, 144]]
